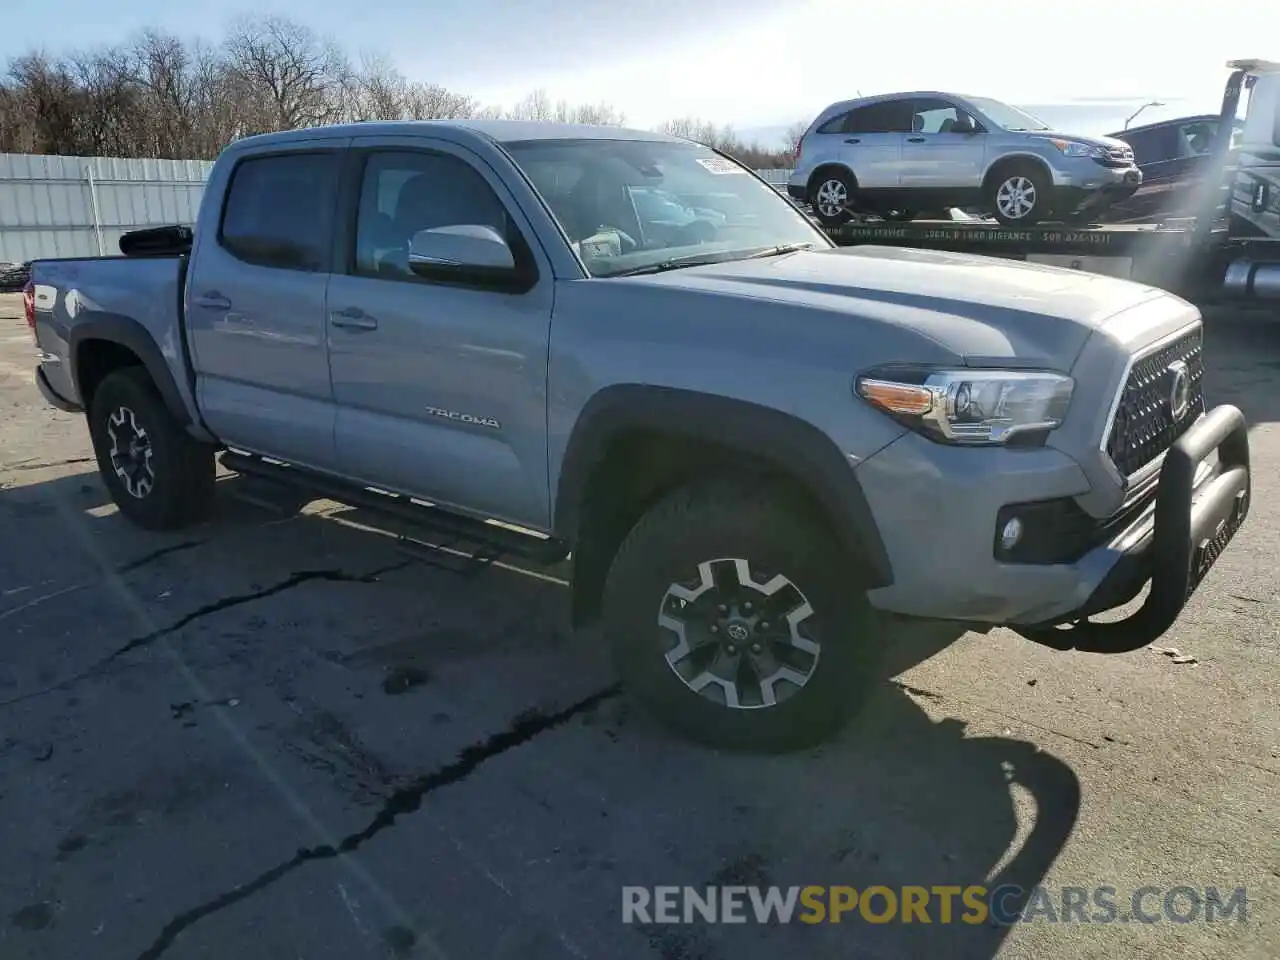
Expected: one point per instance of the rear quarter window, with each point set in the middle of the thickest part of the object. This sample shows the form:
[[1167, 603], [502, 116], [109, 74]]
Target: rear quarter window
[[279, 211]]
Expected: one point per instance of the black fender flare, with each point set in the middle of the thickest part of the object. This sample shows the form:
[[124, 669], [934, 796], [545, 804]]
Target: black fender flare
[[793, 446], [127, 332]]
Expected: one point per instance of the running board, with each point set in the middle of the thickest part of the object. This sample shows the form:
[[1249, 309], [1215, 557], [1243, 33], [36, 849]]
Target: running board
[[491, 536]]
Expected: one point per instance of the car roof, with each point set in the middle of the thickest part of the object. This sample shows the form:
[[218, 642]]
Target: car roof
[[842, 106], [500, 131]]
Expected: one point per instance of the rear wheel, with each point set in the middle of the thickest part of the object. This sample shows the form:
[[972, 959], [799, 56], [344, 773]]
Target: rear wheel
[[1019, 195], [731, 618], [831, 195], [158, 475]]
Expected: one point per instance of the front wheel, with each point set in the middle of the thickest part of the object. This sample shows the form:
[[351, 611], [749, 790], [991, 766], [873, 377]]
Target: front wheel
[[159, 476], [732, 619], [1019, 196]]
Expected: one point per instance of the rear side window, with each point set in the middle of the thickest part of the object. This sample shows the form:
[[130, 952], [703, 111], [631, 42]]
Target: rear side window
[[1151, 146], [891, 116], [279, 211], [835, 124]]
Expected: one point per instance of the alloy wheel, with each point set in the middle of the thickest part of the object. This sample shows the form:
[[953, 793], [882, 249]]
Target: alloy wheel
[[741, 638]]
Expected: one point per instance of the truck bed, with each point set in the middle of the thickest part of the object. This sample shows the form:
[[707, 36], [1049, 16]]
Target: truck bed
[[76, 295]]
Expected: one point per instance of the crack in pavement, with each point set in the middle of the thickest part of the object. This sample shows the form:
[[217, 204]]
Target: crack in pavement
[[155, 555], [294, 580], [405, 800], [43, 464]]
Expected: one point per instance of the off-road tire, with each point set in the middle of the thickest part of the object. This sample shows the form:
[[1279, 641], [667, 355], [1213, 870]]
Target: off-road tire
[[182, 489], [729, 519]]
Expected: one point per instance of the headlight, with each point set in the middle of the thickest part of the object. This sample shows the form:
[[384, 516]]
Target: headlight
[[1073, 148], [970, 406]]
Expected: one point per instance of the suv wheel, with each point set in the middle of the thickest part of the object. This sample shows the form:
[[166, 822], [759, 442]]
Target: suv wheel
[[1019, 196], [731, 618], [159, 476], [830, 197]]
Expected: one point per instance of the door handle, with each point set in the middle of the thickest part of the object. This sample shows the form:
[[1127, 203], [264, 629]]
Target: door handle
[[915, 139], [853, 140], [353, 318], [213, 300]]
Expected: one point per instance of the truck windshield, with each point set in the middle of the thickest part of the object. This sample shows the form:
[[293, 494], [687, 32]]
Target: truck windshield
[[1010, 118], [631, 205]]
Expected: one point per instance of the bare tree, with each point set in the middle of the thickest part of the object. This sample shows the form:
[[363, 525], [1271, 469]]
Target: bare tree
[[288, 75], [795, 133], [159, 96]]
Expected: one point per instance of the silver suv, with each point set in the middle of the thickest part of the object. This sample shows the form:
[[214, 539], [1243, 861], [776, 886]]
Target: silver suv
[[896, 155]]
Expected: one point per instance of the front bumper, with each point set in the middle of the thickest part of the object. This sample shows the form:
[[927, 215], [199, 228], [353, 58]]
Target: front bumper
[[938, 508], [1096, 188], [1173, 544], [798, 191]]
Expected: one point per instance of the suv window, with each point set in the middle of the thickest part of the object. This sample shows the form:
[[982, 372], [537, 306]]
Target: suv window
[[1196, 139], [935, 116], [834, 125], [279, 211], [404, 192], [1151, 146], [891, 116]]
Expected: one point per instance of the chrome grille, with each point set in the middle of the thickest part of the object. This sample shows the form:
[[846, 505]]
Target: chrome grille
[[1143, 426]]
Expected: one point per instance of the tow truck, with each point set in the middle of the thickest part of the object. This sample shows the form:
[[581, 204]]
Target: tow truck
[[1230, 251]]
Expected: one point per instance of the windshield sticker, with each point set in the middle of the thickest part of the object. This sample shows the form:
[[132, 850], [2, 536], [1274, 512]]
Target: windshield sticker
[[719, 165]]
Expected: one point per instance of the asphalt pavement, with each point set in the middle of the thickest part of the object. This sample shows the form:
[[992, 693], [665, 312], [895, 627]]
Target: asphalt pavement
[[283, 735]]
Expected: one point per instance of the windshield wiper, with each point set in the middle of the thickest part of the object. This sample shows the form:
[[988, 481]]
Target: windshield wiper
[[675, 263], [705, 259], [781, 249]]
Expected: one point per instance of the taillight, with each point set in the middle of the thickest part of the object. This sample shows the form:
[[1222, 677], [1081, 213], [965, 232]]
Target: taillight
[[29, 307]]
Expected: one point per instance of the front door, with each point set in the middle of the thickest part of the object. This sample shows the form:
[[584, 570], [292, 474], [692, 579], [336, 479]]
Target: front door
[[440, 388], [256, 304], [936, 158]]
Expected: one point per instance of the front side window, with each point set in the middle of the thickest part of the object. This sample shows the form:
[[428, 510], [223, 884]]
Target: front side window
[[1010, 118], [402, 193], [279, 210], [628, 205], [936, 116]]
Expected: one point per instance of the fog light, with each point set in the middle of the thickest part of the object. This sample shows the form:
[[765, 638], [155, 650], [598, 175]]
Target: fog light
[[1011, 534]]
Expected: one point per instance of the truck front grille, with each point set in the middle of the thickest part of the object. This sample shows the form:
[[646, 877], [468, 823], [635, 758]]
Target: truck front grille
[[1144, 426]]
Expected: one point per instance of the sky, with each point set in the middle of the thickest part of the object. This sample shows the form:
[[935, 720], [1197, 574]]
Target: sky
[[759, 65]]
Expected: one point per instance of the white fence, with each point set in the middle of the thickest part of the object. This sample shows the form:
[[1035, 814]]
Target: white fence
[[79, 206]]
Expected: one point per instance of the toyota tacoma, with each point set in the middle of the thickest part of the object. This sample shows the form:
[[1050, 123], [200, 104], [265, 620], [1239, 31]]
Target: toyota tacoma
[[755, 451]]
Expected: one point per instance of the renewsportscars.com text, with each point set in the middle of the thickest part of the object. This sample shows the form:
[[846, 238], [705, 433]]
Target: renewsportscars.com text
[[936, 904]]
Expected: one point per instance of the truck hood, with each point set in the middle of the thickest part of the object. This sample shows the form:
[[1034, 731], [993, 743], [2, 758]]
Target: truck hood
[[982, 309]]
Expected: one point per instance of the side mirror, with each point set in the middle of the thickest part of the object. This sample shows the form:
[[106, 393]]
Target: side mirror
[[964, 124], [465, 251]]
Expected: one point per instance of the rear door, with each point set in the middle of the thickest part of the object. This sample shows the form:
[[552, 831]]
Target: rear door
[[873, 138], [934, 157], [256, 304], [441, 388]]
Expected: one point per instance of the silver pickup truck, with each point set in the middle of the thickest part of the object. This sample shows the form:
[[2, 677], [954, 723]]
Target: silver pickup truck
[[751, 446]]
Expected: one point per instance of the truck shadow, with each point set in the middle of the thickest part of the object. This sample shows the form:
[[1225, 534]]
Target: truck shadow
[[905, 797], [1242, 362]]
